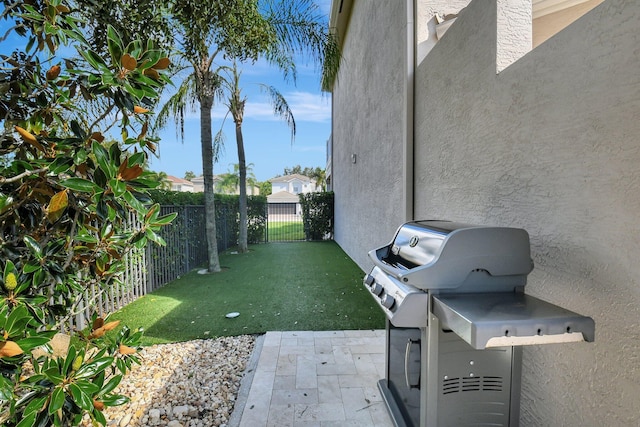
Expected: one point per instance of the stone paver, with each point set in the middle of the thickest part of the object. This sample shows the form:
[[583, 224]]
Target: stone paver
[[321, 379]]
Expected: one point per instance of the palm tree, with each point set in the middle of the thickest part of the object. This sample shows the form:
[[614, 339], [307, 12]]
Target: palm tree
[[205, 31], [235, 103], [231, 180], [241, 31], [320, 175]]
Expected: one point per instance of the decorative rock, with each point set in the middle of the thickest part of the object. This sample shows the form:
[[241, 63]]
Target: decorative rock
[[154, 415], [124, 422], [180, 411], [195, 382]]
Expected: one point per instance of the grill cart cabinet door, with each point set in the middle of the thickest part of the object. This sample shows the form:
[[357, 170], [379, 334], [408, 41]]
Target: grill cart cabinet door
[[403, 373], [475, 386]]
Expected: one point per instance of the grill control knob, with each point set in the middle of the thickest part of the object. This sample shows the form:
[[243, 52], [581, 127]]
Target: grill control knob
[[376, 288], [387, 301], [369, 280]]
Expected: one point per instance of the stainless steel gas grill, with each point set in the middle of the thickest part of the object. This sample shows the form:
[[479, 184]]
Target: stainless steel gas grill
[[457, 316]]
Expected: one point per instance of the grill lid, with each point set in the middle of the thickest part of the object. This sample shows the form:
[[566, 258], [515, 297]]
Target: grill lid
[[448, 255]]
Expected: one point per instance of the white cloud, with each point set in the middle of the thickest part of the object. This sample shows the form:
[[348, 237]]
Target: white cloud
[[306, 107]]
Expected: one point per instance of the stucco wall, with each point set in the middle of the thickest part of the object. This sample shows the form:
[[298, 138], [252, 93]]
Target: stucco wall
[[368, 122], [551, 144]]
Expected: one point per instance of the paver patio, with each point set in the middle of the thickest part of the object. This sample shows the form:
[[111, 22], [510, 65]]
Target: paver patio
[[323, 379]]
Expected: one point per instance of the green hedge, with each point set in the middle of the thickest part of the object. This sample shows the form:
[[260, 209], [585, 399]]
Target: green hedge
[[317, 215], [227, 211]]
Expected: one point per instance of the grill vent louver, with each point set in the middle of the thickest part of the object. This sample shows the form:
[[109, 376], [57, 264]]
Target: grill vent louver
[[457, 385]]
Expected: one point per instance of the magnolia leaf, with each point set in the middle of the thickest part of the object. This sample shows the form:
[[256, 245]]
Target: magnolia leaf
[[99, 332], [134, 203], [143, 131], [128, 62], [152, 73], [80, 397], [26, 135], [97, 136], [140, 110], [126, 350], [57, 205], [111, 385], [33, 246], [131, 173], [29, 138], [53, 72], [98, 323], [57, 400], [9, 349], [162, 64], [79, 184], [164, 220], [111, 325], [9, 267]]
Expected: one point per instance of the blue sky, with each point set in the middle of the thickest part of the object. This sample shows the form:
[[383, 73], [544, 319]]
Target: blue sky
[[267, 139]]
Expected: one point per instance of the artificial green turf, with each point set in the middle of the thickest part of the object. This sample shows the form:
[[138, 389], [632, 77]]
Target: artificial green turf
[[275, 287], [284, 231]]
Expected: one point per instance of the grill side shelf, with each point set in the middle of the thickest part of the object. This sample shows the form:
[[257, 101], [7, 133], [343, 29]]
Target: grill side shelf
[[505, 319]]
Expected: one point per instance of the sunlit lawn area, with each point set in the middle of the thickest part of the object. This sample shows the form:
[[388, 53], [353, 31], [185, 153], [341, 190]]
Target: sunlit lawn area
[[286, 230], [276, 286]]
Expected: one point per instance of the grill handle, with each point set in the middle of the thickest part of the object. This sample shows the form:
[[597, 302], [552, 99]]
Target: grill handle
[[407, 361]]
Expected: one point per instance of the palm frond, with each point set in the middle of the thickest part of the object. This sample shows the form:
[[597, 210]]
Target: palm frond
[[176, 107], [302, 30], [218, 142], [280, 107]]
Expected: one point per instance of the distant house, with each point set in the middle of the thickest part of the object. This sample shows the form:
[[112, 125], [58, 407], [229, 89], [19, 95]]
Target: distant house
[[198, 183], [284, 194], [284, 203], [179, 184], [294, 184]]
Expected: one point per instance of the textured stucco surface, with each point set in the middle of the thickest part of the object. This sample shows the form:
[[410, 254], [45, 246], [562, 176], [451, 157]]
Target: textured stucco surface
[[550, 144], [368, 121]]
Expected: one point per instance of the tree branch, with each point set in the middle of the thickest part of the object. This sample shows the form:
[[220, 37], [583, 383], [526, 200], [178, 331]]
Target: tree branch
[[102, 116], [24, 174]]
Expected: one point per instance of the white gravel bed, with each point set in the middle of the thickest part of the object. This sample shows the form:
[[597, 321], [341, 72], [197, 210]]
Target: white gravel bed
[[193, 383]]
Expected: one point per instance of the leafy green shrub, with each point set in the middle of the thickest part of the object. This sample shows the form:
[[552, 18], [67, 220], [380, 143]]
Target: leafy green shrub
[[256, 218], [317, 215], [227, 211], [67, 196], [178, 198]]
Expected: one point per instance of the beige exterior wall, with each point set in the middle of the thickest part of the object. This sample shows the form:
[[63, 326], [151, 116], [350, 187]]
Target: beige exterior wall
[[368, 128], [548, 25], [549, 144]]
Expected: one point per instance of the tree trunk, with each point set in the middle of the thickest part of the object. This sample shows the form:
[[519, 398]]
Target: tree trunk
[[206, 140], [242, 169]]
